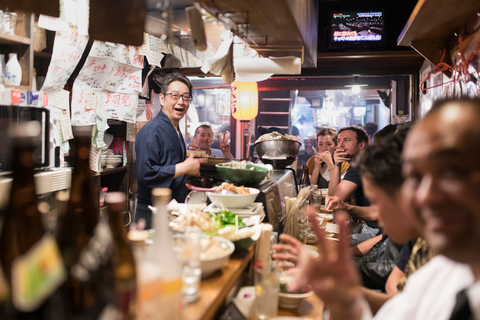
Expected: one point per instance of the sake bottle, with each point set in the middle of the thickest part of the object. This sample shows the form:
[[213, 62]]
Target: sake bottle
[[31, 263], [166, 258], [13, 71], [86, 243], [123, 260]]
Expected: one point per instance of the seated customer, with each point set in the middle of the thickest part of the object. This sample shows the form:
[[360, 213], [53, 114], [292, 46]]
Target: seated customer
[[321, 164], [203, 139], [441, 182]]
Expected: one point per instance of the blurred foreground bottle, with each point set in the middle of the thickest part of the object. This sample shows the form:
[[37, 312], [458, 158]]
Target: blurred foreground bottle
[[31, 263], [123, 261], [86, 243], [166, 258]]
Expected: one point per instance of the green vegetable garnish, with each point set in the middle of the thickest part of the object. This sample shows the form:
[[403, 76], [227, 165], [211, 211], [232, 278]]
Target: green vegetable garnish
[[227, 218]]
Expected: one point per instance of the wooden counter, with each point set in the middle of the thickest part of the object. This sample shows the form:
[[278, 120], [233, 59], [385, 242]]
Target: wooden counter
[[311, 308], [214, 289]]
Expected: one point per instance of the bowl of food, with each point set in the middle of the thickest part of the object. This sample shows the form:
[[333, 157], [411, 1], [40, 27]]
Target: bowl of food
[[277, 149], [242, 173], [292, 300], [234, 197], [215, 252]]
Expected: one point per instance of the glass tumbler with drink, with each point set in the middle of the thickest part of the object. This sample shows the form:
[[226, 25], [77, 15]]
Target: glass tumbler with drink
[[267, 286]]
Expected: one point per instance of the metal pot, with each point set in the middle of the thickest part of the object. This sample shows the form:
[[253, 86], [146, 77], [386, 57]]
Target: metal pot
[[279, 153]]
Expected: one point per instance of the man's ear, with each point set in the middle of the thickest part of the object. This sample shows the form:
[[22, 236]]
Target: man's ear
[[161, 98], [362, 145]]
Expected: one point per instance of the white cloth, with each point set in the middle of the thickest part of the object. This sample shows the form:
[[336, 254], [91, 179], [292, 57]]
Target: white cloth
[[473, 294], [430, 292]]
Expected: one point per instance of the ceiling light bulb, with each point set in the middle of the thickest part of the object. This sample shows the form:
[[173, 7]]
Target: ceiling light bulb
[[356, 89]]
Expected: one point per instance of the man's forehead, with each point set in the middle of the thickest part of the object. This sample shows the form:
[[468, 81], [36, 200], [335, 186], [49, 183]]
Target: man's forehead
[[178, 86], [205, 130], [443, 134], [347, 133]]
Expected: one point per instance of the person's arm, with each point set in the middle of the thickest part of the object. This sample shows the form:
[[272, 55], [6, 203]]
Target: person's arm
[[365, 213], [316, 170], [393, 281], [339, 157], [190, 166], [375, 299], [363, 247]]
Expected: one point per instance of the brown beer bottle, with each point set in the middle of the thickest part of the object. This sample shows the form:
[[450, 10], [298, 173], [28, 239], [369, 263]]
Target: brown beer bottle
[[123, 260], [30, 259], [86, 243]]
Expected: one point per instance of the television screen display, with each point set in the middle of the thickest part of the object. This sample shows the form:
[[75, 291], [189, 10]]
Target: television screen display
[[362, 28]]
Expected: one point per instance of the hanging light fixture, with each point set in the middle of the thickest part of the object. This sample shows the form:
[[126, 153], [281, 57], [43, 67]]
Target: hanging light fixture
[[356, 85], [244, 100]]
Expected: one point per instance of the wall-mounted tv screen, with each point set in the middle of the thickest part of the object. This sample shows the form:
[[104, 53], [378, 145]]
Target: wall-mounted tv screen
[[356, 29]]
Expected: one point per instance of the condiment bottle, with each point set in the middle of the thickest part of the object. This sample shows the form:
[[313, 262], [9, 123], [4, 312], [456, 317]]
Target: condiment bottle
[[123, 260], [31, 263], [166, 258], [86, 243]]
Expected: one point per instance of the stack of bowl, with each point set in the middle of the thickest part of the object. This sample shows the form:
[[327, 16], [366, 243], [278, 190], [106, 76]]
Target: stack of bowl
[[113, 160]]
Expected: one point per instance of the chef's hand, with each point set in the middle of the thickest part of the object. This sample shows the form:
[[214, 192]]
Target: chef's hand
[[190, 166], [340, 156], [334, 203], [224, 146], [332, 275], [193, 142]]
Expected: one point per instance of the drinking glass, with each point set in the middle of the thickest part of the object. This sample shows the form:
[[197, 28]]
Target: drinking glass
[[317, 199], [267, 285], [188, 249]]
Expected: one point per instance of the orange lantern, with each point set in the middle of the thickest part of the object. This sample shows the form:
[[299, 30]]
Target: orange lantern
[[244, 100]]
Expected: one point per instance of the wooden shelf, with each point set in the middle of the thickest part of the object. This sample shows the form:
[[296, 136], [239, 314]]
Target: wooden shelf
[[14, 39], [113, 170], [433, 22], [43, 55]]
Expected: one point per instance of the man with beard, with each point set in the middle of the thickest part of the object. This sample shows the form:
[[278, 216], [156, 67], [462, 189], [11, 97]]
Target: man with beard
[[351, 141]]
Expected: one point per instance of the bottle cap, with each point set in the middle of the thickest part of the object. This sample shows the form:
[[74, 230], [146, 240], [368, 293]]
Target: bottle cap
[[116, 200], [161, 194]]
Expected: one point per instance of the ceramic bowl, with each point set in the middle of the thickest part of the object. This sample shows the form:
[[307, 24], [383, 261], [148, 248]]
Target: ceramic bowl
[[210, 265], [233, 200], [249, 176], [292, 300]]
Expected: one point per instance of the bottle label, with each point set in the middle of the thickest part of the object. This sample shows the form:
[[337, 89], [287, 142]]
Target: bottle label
[[37, 274], [172, 300], [149, 299], [96, 253]]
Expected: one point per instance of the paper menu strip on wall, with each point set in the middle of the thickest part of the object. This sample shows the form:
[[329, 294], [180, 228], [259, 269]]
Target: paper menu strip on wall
[[67, 51], [59, 98], [66, 125]]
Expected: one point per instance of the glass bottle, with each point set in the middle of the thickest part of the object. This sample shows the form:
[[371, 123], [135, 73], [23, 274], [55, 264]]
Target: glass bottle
[[86, 243], [123, 260], [166, 258], [30, 259], [304, 177]]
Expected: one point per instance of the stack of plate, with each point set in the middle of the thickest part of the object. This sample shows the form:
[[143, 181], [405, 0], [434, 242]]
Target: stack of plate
[[113, 160]]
